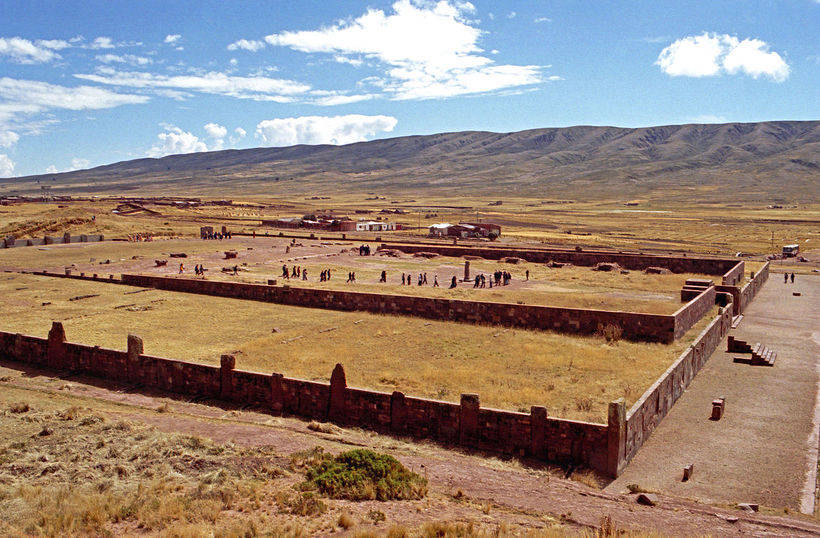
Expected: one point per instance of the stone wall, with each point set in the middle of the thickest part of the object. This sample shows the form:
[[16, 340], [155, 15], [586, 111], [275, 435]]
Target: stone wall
[[635, 325], [734, 275], [465, 424], [10, 242], [645, 415], [742, 297], [585, 258], [692, 312]]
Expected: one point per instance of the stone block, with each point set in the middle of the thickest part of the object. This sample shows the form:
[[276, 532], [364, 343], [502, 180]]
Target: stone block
[[718, 405]]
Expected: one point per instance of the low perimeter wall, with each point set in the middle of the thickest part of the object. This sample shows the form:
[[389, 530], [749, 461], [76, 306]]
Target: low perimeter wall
[[727, 269], [742, 297], [465, 424], [635, 325], [649, 410], [11, 242]]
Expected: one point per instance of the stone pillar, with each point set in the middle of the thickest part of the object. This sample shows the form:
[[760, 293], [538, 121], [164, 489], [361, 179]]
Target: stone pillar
[[538, 432], [468, 423], [135, 349], [466, 270], [616, 437], [226, 367], [67, 237], [56, 353], [398, 413], [277, 395], [338, 386], [224, 230]]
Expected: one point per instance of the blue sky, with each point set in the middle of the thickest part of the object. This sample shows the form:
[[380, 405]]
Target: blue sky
[[94, 82]]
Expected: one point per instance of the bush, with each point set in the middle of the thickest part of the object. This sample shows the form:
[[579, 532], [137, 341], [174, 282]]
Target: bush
[[362, 475], [610, 332]]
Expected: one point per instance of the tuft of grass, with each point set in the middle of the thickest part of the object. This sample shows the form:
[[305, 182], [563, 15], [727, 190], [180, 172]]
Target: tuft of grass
[[345, 521], [21, 407], [362, 474], [321, 427]]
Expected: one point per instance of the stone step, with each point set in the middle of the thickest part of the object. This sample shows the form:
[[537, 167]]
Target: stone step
[[757, 348], [736, 321]]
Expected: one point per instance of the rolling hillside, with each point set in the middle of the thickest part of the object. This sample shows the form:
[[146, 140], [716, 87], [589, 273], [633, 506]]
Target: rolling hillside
[[777, 160]]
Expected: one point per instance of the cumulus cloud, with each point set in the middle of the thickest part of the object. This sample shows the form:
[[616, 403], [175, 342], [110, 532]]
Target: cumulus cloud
[[124, 59], [6, 166], [414, 67], [76, 164], [217, 134], [257, 88], [247, 44], [238, 134], [322, 129], [172, 38], [174, 141], [8, 139], [708, 55], [24, 51], [102, 43]]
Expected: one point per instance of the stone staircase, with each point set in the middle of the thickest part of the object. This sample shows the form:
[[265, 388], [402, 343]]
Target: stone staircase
[[760, 354], [694, 287]]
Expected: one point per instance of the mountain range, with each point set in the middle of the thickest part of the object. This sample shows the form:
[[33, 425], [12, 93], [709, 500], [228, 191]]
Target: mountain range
[[776, 160]]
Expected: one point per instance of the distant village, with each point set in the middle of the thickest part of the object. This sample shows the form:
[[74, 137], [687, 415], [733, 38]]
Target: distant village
[[346, 224]]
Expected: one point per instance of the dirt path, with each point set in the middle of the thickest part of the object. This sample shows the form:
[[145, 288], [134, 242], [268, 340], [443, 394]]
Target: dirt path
[[761, 450], [519, 494]]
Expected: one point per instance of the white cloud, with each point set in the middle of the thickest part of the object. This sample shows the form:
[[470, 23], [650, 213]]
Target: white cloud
[[257, 88], [124, 59], [102, 43], [22, 99], [39, 95], [8, 139], [78, 164], [712, 54], [238, 134], [6, 166], [542, 19], [415, 68], [247, 44], [214, 130], [511, 15], [322, 129], [174, 141], [25, 51], [217, 134], [172, 38]]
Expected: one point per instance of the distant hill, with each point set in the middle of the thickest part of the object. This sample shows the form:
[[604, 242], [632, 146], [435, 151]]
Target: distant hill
[[778, 160]]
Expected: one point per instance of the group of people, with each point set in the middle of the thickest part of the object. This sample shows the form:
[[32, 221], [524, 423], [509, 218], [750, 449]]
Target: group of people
[[200, 270], [501, 278], [364, 250], [786, 278], [407, 279], [298, 272], [216, 235]]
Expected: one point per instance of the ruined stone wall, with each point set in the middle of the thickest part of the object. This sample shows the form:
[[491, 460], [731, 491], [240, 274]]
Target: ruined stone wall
[[635, 325], [464, 424], [11, 242], [645, 415], [589, 258], [692, 312], [742, 297], [734, 275]]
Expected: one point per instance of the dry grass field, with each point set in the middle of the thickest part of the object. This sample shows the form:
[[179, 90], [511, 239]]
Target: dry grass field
[[574, 377]]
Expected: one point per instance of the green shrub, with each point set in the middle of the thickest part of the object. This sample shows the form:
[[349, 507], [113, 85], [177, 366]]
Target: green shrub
[[363, 475]]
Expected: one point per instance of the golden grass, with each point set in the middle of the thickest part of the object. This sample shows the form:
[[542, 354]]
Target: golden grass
[[574, 377]]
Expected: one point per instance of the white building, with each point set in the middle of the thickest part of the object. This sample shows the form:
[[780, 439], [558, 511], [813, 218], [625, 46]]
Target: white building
[[374, 226]]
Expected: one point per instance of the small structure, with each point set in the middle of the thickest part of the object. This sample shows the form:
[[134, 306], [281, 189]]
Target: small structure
[[374, 226], [718, 406], [790, 251]]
